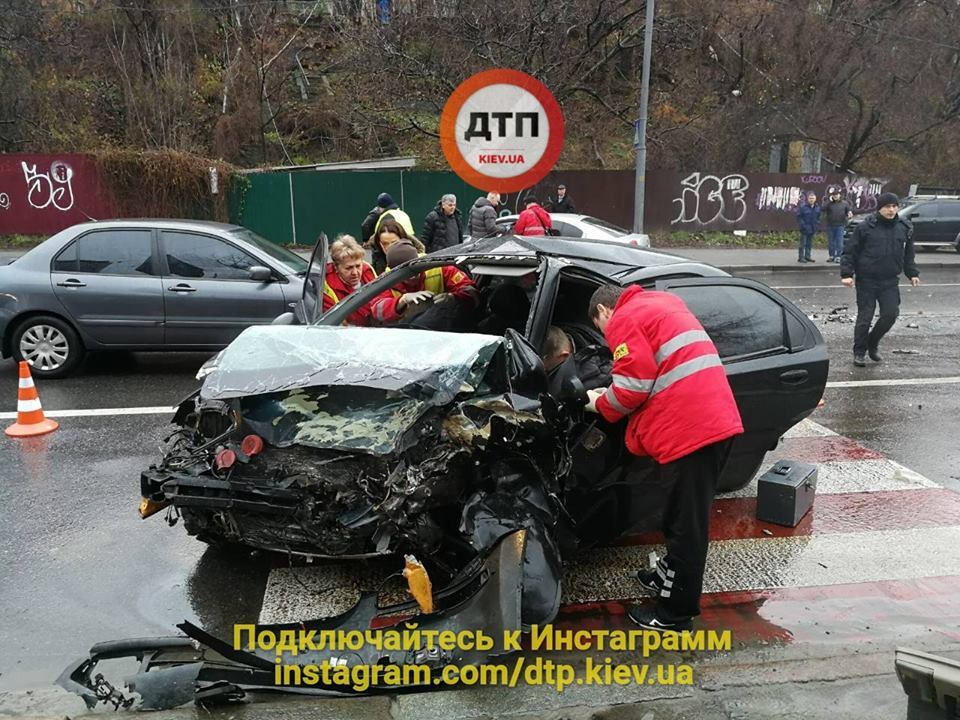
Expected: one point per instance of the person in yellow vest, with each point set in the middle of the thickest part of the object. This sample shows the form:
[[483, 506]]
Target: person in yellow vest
[[387, 233], [437, 286], [347, 271]]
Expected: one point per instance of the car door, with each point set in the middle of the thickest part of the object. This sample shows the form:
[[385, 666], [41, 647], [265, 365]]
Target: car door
[[949, 220], [774, 356], [925, 218], [209, 297], [107, 281]]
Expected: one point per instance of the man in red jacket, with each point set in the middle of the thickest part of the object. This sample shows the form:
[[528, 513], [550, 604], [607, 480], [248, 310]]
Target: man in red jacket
[[534, 220], [669, 380]]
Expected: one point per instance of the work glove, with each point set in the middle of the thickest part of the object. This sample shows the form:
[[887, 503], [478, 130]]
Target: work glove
[[592, 397], [442, 298], [414, 298]]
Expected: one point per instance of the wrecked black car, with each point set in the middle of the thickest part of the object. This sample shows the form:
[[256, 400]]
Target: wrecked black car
[[321, 440]]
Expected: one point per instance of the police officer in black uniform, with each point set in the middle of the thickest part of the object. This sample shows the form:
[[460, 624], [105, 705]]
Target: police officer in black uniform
[[880, 248]]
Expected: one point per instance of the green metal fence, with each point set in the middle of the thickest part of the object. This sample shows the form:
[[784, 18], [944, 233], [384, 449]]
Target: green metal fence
[[295, 207]]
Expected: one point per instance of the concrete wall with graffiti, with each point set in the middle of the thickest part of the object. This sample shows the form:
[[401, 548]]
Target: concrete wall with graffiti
[[701, 201], [42, 194]]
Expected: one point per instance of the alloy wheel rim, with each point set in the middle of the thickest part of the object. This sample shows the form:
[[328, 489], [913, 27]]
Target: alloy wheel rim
[[44, 347]]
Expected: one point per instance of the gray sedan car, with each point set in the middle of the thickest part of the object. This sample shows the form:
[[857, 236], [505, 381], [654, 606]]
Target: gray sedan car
[[141, 285]]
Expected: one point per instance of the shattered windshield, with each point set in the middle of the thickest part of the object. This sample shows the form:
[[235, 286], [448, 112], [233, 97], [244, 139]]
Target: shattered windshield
[[430, 366], [333, 418]]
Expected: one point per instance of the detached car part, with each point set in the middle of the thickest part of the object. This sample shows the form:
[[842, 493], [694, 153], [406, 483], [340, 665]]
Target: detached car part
[[931, 679], [199, 667]]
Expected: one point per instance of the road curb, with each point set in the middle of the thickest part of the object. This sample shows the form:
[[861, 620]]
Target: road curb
[[794, 268]]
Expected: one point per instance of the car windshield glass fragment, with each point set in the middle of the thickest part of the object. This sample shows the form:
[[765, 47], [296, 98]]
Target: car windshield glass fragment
[[430, 366], [277, 252]]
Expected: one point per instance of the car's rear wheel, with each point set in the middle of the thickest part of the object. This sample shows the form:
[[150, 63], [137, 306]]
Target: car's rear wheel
[[49, 345]]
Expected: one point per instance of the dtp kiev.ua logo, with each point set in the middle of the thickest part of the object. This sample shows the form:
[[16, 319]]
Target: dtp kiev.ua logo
[[501, 130]]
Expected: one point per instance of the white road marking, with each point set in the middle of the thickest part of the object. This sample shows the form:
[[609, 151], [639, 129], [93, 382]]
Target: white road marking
[[808, 428], [302, 593], [163, 409], [893, 381], [838, 286], [99, 412], [851, 476]]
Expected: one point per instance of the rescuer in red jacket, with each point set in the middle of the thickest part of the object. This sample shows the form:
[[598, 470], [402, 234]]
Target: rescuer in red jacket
[[534, 220], [438, 285], [347, 272], [669, 381]]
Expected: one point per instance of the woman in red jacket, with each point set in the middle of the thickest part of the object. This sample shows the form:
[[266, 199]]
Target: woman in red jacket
[[346, 272]]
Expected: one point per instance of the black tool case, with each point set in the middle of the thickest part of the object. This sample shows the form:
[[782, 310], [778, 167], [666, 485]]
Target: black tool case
[[785, 492]]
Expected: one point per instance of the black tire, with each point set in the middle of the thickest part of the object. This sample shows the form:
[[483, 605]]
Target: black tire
[[50, 346], [750, 461]]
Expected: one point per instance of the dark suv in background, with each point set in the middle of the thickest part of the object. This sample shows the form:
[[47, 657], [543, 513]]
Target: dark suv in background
[[935, 218]]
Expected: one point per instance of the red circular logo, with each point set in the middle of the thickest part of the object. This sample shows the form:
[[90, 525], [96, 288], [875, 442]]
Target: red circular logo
[[501, 130]]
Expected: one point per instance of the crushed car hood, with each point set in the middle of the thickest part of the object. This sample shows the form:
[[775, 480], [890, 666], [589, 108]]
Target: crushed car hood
[[431, 366]]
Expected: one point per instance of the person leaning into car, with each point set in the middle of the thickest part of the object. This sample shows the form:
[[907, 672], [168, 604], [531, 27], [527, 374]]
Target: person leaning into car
[[669, 381], [437, 285], [878, 250]]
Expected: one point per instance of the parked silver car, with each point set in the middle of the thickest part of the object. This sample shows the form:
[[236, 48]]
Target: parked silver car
[[571, 225], [141, 285]]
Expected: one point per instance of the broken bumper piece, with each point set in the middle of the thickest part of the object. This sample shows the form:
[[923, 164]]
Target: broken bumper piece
[[198, 667]]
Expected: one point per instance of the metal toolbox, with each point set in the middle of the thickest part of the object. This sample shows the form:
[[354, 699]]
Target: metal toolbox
[[785, 492]]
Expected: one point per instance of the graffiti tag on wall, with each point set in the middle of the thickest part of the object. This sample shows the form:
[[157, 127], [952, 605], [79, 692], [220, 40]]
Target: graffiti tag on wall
[[52, 188], [859, 192], [706, 199], [43, 194]]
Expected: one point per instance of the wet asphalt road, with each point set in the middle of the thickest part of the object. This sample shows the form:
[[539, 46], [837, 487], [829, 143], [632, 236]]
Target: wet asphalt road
[[78, 566]]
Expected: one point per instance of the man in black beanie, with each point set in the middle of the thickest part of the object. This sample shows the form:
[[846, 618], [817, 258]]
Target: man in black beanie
[[880, 248]]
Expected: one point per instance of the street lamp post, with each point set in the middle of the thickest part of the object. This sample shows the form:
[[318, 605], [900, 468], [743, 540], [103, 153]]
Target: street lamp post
[[640, 140]]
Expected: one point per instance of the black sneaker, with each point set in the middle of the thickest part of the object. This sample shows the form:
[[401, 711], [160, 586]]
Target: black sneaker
[[649, 580], [809, 259], [800, 260], [647, 617], [874, 354], [859, 361]]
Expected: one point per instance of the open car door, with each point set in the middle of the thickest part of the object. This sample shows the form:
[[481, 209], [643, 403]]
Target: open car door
[[310, 307]]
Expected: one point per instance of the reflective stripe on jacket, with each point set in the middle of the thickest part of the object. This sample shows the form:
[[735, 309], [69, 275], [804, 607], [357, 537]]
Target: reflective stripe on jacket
[[667, 377]]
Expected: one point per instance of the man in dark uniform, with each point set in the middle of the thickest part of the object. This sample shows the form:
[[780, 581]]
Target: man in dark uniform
[[880, 248]]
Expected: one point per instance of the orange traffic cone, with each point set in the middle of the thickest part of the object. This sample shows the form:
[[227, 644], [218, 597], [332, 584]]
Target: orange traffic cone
[[30, 419]]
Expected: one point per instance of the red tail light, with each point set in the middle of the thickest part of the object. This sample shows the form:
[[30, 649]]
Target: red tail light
[[252, 445]]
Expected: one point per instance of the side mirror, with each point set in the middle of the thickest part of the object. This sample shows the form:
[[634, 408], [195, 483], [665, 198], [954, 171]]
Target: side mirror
[[260, 273], [913, 215], [287, 318]]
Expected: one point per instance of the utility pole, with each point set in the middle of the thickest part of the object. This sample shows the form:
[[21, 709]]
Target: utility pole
[[640, 140]]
